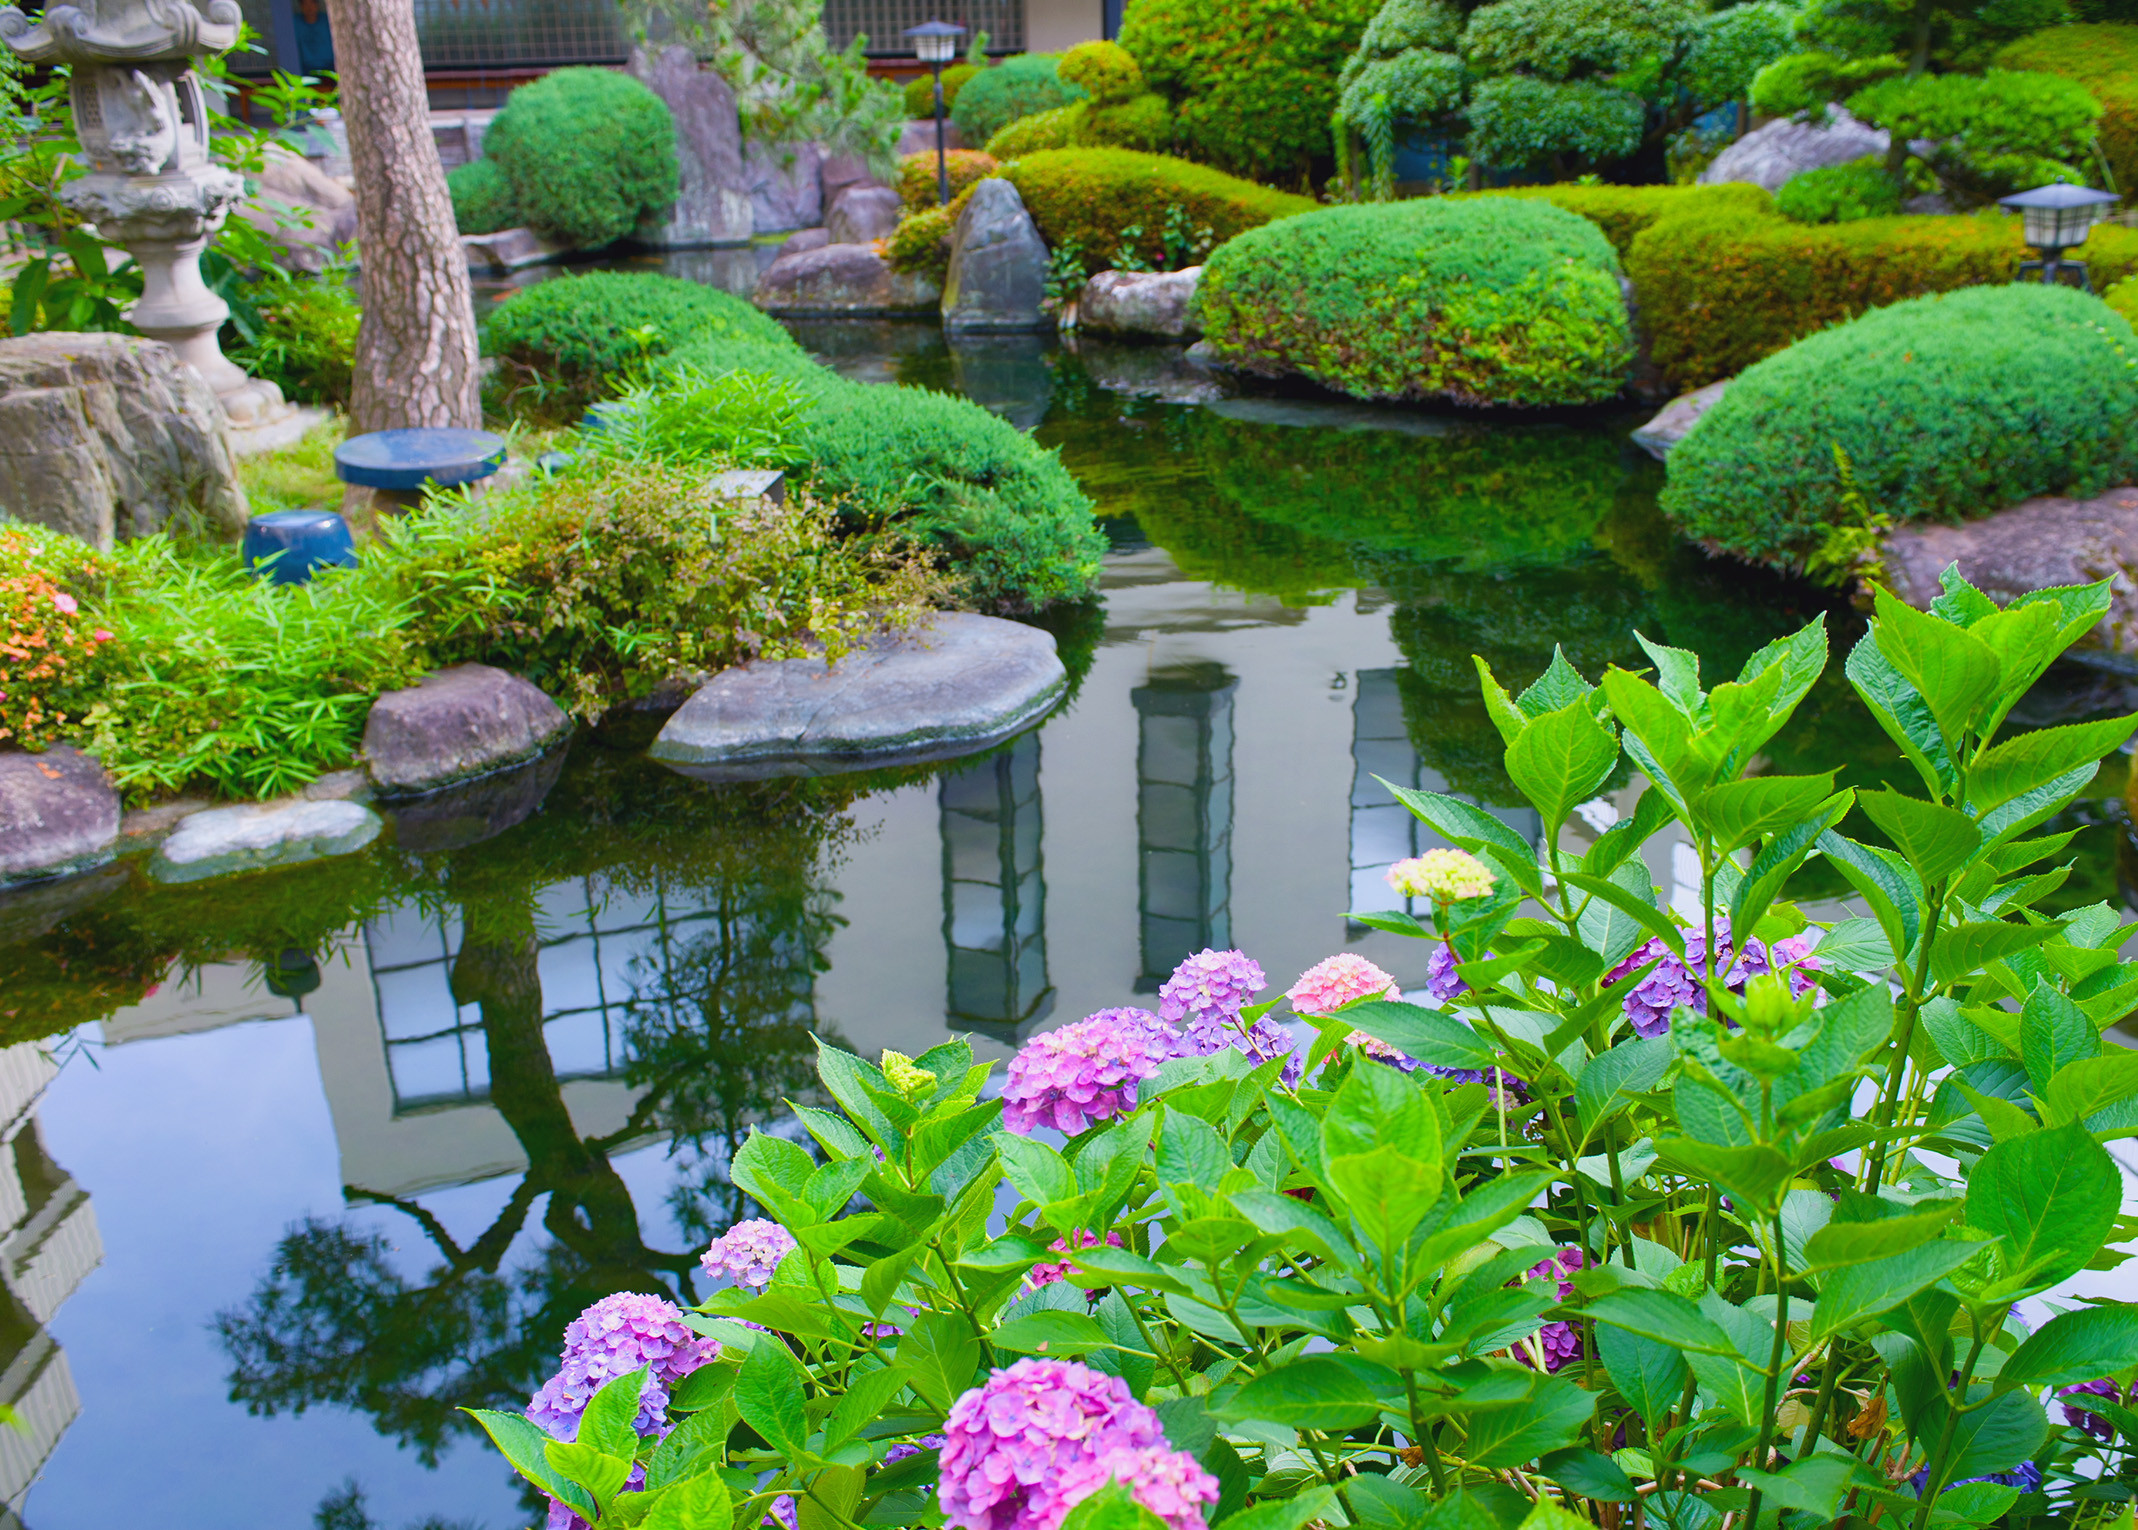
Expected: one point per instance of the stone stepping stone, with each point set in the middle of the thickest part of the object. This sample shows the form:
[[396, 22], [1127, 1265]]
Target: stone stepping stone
[[58, 815], [258, 836], [407, 460], [952, 687]]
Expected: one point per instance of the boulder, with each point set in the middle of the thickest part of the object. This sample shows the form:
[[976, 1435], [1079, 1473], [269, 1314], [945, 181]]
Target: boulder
[[844, 172], [955, 685], [1135, 305], [862, 215], [293, 187], [510, 249], [842, 281], [2035, 544], [455, 725], [1680, 415], [785, 189], [998, 264], [259, 836], [58, 815], [112, 437], [1767, 156], [918, 136], [806, 239], [474, 811], [713, 203]]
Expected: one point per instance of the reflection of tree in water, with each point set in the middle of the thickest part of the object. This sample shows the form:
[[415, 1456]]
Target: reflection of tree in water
[[717, 1031]]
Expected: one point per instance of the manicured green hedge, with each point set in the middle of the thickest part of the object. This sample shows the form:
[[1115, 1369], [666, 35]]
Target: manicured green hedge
[[1720, 289], [1088, 196], [1252, 82], [1624, 212], [2103, 58], [577, 333], [918, 183], [482, 196], [1480, 302], [1017, 87], [590, 153], [1948, 408]]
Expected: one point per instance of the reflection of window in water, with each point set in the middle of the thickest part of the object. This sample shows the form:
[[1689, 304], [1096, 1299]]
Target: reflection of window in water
[[1383, 830], [1183, 815], [995, 893], [600, 950]]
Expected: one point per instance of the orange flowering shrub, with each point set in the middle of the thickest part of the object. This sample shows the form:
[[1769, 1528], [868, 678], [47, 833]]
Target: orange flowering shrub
[[49, 647]]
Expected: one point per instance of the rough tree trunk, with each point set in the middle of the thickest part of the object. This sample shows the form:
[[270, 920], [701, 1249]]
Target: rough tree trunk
[[415, 350]]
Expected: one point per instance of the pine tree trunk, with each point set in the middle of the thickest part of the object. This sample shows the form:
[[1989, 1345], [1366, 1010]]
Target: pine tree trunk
[[415, 350]]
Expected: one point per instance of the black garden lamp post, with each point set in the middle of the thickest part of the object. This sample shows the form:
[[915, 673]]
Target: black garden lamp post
[[935, 43], [2056, 219]]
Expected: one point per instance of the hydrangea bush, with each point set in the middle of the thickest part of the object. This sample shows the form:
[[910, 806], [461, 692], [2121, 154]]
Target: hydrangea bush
[[1706, 1220]]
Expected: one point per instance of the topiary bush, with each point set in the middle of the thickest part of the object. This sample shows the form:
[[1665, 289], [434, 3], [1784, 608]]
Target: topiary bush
[[1086, 198], [1252, 83], [1016, 87], [482, 195], [1947, 408], [1476, 302], [1987, 136], [920, 90], [1106, 70], [1840, 193], [1624, 212], [917, 187], [562, 341], [589, 153], [2123, 297], [2103, 58], [921, 242]]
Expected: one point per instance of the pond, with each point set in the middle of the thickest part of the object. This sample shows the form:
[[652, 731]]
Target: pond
[[304, 1162]]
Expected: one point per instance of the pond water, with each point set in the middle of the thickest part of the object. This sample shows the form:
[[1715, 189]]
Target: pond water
[[303, 1162]]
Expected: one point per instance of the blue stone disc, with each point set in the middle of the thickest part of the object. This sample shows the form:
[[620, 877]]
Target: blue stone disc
[[415, 459]]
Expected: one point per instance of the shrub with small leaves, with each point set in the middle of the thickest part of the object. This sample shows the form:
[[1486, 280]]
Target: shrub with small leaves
[[1016, 87], [50, 648], [1105, 69], [482, 196], [920, 90], [917, 180], [1839, 193]]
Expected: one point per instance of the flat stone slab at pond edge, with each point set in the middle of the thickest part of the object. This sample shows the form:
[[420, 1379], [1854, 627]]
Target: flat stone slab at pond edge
[[258, 836], [455, 725], [59, 815], [1675, 420], [949, 688]]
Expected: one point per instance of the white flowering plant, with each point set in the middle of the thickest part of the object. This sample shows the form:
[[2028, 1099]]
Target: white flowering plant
[[1718, 1223]]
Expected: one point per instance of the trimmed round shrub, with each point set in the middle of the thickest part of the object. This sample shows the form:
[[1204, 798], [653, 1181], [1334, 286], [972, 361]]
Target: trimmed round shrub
[[589, 153], [1625, 212], [917, 186], [1058, 129], [920, 91], [2123, 297], [1087, 197], [482, 195], [1142, 122], [1479, 302], [1016, 87], [563, 340], [1107, 70], [921, 242], [1252, 83], [1840, 193], [1947, 408]]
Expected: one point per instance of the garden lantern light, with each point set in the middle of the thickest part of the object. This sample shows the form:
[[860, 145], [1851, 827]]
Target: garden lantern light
[[2056, 219], [935, 43]]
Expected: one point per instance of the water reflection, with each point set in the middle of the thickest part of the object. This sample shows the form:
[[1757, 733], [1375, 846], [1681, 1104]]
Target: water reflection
[[995, 894], [1183, 815]]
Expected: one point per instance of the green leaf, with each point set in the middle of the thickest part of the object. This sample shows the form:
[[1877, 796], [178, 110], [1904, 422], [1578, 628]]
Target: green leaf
[[1191, 1152], [1640, 910], [1779, 859], [867, 1396], [2052, 1032], [1428, 1035], [1962, 950], [1107, 1266], [696, 1503], [1561, 760], [1627, 835], [696, 1444], [1051, 1333], [608, 1424], [1612, 1077], [522, 1443], [1756, 1175], [599, 1473], [1849, 1295], [1887, 884], [1548, 1419], [1377, 1107], [2033, 760], [2081, 1345], [1330, 1392], [1662, 1316], [1316, 1503], [1856, 945], [1648, 1372], [2082, 1090], [1659, 737], [1936, 840], [1589, 1474], [1901, 711], [2051, 1195], [1995, 1438], [1814, 1485], [1387, 1192], [832, 1499], [1841, 1243], [1955, 673], [768, 1395], [944, 1357], [1738, 813], [1472, 828], [1040, 1174]]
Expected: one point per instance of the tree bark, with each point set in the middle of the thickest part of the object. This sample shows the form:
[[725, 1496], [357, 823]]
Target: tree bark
[[415, 349]]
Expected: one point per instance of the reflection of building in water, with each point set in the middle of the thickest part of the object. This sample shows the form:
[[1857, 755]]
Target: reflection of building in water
[[49, 1246], [995, 894], [1383, 830], [1183, 815]]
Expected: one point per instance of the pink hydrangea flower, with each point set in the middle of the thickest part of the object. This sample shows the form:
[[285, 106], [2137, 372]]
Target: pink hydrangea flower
[[1049, 1273], [1012, 1442], [1330, 984], [1086, 1072], [748, 1252], [1170, 1483]]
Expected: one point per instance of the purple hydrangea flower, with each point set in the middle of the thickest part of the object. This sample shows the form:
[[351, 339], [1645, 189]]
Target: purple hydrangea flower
[[1673, 982], [2026, 1476], [1086, 1072], [748, 1252], [783, 1514], [1559, 1342], [1170, 1483], [2093, 1423], [1011, 1442], [905, 1448], [1209, 989], [1442, 983]]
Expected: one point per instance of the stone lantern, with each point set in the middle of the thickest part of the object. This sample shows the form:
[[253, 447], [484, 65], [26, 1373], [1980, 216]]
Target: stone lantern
[[151, 187]]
